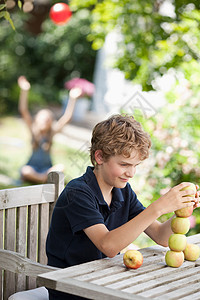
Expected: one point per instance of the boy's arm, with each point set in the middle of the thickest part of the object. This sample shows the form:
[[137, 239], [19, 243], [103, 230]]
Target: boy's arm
[[160, 232], [74, 94], [23, 100], [112, 242]]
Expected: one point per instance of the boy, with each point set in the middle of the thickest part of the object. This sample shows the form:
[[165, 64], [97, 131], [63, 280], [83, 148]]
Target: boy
[[98, 214]]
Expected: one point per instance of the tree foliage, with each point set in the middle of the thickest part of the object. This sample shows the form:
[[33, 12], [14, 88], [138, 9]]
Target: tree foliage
[[151, 42], [49, 59], [175, 153]]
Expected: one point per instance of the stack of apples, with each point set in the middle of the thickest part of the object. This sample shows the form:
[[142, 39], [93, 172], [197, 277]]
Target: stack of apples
[[179, 248]]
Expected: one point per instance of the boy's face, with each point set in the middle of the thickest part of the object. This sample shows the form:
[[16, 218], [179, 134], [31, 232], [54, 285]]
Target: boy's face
[[117, 170]]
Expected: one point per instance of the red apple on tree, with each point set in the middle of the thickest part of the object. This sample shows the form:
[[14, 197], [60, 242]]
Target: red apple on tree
[[60, 13], [174, 259], [177, 242], [191, 252], [133, 259], [180, 225]]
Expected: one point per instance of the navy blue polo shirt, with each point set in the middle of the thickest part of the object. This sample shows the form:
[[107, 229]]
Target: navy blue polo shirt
[[81, 205]]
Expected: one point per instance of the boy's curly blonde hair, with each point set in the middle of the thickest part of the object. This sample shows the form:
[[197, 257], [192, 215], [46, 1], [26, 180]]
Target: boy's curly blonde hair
[[119, 135]]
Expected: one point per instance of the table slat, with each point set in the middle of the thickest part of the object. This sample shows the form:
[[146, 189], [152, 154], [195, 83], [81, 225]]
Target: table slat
[[91, 291], [164, 285], [130, 284], [187, 290], [126, 274], [195, 296]]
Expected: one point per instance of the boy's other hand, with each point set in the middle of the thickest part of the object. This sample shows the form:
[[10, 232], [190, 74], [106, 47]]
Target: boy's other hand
[[197, 204], [177, 198]]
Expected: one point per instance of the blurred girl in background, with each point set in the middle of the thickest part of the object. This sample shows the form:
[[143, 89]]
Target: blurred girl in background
[[42, 128]]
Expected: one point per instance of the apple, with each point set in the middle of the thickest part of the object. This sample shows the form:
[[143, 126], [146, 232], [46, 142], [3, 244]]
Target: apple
[[133, 259], [174, 259], [186, 211], [177, 242], [180, 225], [191, 252]]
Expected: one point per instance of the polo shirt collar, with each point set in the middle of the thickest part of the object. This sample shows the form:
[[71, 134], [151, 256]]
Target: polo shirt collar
[[117, 198]]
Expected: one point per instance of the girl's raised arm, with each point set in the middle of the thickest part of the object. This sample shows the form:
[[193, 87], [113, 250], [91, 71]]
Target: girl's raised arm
[[74, 94], [23, 100]]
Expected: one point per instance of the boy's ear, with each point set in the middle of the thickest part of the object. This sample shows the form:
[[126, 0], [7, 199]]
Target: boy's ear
[[99, 157]]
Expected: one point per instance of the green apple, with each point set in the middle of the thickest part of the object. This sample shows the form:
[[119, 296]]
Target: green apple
[[177, 242], [174, 259], [133, 259], [180, 225], [186, 211], [191, 252]]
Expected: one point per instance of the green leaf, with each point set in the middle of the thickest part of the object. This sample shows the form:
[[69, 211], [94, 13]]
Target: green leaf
[[8, 18], [2, 14], [6, 15], [2, 6], [19, 3]]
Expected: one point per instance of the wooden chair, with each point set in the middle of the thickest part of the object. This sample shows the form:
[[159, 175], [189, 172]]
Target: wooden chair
[[25, 214]]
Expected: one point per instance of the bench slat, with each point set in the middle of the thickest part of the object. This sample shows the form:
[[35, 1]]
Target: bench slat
[[21, 242], [27, 195], [10, 225], [1, 246], [43, 231], [32, 239], [17, 263]]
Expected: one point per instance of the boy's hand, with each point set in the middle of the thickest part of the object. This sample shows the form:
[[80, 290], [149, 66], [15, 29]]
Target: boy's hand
[[175, 199], [197, 204]]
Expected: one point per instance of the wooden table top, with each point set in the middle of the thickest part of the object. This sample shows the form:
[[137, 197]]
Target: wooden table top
[[110, 279]]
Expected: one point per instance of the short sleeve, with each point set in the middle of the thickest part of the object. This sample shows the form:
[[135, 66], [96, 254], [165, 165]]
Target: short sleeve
[[82, 210]]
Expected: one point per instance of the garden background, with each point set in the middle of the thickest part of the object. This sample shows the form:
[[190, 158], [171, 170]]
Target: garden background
[[157, 39]]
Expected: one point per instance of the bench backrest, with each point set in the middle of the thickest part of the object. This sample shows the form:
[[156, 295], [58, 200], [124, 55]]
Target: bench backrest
[[25, 214]]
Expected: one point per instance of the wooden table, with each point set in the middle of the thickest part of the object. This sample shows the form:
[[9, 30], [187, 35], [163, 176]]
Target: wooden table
[[109, 279]]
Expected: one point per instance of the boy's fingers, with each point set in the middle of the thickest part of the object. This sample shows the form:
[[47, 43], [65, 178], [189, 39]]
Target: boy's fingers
[[184, 185], [188, 193]]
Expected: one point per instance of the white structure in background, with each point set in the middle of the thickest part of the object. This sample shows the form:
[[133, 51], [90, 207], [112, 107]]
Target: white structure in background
[[113, 91]]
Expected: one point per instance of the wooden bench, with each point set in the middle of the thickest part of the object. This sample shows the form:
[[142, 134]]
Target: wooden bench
[[25, 214]]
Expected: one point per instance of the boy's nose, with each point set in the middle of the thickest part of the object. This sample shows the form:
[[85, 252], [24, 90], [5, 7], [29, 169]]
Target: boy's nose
[[130, 172]]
